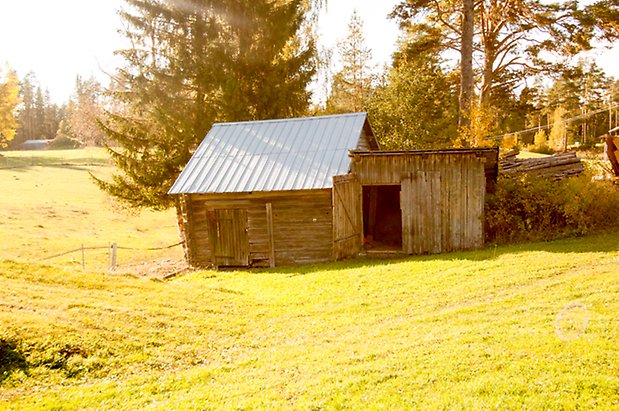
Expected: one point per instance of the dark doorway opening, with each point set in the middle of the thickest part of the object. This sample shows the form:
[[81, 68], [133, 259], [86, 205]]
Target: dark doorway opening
[[382, 218]]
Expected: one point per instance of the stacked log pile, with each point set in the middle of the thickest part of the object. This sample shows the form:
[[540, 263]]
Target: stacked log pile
[[557, 166]]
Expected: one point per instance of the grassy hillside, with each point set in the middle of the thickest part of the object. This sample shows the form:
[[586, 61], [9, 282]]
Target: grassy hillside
[[51, 205], [523, 327], [527, 327]]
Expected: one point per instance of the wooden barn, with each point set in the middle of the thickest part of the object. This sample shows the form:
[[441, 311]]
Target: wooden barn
[[278, 192]]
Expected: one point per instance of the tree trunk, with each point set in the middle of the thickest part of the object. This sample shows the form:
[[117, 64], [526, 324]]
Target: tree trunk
[[466, 63], [487, 77]]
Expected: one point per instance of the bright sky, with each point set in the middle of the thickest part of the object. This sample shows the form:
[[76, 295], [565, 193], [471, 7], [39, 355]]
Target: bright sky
[[60, 39], [381, 33]]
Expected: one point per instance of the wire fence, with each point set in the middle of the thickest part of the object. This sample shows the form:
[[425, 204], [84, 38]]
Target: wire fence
[[124, 255], [112, 253], [613, 106]]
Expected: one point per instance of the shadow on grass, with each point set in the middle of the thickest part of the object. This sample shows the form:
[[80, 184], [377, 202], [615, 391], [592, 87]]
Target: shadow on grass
[[10, 359], [596, 243], [26, 162]]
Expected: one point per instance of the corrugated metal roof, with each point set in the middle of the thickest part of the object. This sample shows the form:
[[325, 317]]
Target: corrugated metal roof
[[271, 155]]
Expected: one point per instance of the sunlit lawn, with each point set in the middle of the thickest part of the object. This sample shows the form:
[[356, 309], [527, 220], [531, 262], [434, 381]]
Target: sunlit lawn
[[522, 327], [529, 327], [51, 205]]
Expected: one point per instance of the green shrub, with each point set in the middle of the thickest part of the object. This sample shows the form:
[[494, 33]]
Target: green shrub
[[537, 209], [540, 139], [64, 143]]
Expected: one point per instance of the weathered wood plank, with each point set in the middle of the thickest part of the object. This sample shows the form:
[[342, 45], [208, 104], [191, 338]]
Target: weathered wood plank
[[442, 195], [271, 239], [409, 209], [347, 216], [229, 237], [302, 224], [436, 234], [386, 168], [442, 209]]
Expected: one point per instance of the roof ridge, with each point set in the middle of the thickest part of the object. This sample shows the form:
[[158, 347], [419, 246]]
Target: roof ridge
[[282, 120]]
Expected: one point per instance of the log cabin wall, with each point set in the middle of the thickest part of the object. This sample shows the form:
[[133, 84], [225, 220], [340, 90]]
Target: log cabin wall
[[284, 227], [442, 196], [183, 216]]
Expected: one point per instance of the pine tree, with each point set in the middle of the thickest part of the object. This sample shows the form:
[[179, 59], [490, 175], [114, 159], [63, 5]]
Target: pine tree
[[270, 63], [39, 114], [153, 125], [25, 117], [352, 84], [38, 118], [579, 90], [466, 64], [193, 63], [9, 99], [52, 117], [512, 38]]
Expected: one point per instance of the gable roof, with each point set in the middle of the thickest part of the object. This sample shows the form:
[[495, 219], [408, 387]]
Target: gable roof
[[270, 155]]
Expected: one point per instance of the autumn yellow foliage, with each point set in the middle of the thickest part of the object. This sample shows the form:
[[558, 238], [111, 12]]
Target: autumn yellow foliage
[[9, 100]]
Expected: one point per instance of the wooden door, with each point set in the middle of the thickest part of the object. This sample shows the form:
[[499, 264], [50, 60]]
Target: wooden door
[[229, 239], [347, 216], [421, 213]]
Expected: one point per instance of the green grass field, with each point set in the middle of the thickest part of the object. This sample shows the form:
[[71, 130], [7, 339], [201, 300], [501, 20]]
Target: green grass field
[[51, 205], [531, 326]]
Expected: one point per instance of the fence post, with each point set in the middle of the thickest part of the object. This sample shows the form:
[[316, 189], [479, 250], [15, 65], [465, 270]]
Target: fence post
[[109, 256], [83, 259], [113, 256]]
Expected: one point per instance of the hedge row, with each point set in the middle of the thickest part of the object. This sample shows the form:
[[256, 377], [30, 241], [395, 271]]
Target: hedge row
[[536, 209]]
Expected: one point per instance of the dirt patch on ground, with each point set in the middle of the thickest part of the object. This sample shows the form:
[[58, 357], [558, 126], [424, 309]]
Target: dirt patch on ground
[[161, 269]]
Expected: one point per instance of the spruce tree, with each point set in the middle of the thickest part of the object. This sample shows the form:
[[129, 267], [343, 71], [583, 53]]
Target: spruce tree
[[352, 84], [193, 63]]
